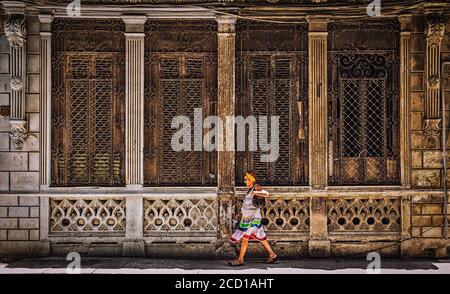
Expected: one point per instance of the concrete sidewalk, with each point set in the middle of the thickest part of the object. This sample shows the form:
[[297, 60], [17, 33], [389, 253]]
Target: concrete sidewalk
[[97, 265]]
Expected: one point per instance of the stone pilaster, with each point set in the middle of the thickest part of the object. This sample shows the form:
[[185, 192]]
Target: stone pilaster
[[134, 168], [318, 114], [405, 99], [434, 34], [45, 100], [226, 112], [318, 245], [15, 31]]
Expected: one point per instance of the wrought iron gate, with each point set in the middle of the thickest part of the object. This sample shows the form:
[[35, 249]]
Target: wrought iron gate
[[180, 76], [271, 80], [364, 103], [87, 103]]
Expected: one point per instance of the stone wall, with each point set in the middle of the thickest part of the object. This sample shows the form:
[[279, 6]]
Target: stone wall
[[19, 218], [427, 169], [427, 217]]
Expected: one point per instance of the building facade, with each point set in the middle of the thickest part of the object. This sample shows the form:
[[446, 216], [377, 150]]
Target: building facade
[[87, 98]]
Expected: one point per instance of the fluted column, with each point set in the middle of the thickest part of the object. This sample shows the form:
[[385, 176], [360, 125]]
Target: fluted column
[[405, 88], [134, 133], [434, 35], [226, 112], [45, 100], [318, 114], [318, 244], [15, 31], [133, 244]]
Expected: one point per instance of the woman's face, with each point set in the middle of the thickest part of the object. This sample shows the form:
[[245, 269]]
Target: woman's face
[[248, 183]]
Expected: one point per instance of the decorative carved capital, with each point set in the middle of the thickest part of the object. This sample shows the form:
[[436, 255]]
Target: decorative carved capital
[[15, 30], [134, 19], [45, 18], [18, 132], [405, 22], [226, 23], [435, 29], [16, 83], [432, 133]]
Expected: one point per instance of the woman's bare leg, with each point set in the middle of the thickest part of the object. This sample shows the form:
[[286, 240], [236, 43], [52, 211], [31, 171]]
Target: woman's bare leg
[[268, 248], [244, 245]]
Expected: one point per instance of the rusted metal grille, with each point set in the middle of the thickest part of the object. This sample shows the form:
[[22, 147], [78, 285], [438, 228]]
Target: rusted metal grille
[[271, 80], [364, 104], [87, 108], [181, 64]]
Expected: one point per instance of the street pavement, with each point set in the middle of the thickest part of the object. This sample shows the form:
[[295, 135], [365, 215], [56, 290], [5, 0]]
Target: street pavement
[[120, 265]]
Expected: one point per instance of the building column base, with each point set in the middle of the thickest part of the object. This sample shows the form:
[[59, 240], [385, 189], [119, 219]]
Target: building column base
[[226, 212], [319, 248], [135, 248]]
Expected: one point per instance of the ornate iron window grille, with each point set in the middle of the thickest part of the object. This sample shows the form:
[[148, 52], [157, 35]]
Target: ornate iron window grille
[[364, 104], [271, 80], [181, 74], [88, 101]]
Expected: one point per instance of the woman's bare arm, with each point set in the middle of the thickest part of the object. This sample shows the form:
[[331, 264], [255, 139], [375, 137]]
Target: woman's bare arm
[[262, 193]]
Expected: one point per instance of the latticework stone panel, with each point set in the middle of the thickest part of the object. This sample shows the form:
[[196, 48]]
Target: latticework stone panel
[[96, 215], [284, 215], [180, 217], [364, 214]]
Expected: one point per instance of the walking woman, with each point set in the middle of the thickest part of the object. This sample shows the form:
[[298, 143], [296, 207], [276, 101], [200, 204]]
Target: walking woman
[[250, 226]]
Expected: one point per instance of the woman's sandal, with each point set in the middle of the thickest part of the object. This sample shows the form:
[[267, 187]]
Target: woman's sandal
[[235, 262], [272, 259]]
